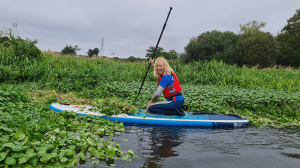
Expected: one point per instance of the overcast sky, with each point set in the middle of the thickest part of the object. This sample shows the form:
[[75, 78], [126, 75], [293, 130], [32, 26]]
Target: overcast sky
[[130, 27]]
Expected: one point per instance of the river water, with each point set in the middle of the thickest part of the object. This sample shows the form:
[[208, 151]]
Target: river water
[[206, 147]]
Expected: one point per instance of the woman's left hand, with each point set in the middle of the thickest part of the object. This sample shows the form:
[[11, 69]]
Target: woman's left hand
[[151, 62], [150, 102]]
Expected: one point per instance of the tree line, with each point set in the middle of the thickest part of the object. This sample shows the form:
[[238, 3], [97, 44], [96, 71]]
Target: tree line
[[72, 50], [250, 46]]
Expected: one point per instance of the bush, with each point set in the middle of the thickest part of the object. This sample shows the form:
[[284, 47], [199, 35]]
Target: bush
[[16, 59], [25, 49]]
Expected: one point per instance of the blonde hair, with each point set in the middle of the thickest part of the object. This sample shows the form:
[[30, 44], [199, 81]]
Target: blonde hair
[[167, 68]]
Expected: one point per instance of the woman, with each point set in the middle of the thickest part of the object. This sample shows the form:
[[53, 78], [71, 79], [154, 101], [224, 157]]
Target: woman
[[168, 84]]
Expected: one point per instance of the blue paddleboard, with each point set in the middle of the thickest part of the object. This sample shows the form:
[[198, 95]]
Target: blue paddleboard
[[143, 117]]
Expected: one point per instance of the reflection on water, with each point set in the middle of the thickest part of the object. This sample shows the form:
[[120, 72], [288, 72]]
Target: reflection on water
[[160, 143], [205, 147]]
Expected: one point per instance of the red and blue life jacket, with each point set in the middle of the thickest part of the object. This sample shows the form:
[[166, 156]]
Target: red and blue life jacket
[[174, 89]]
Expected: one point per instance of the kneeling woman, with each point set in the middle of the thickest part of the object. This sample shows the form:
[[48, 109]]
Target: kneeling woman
[[168, 84]]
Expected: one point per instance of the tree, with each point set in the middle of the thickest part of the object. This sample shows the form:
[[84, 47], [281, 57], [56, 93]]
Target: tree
[[5, 41], [70, 50], [211, 45], [256, 47], [251, 26], [158, 52], [116, 58], [91, 52], [289, 41], [131, 59], [171, 55]]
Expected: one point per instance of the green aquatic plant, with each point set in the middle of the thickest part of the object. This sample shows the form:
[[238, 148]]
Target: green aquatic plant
[[113, 106], [31, 135]]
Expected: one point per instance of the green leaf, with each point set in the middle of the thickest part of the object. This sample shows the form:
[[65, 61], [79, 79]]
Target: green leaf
[[72, 147], [93, 151], [82, 157], [30, 151], [69, 152], [36, 143], [17, 148], [95, 162], [2, 156], [33, 161], [90, 142], [42, 153], [10, 145], [73, 161], [45, 158], [50, 147], [56, 130], [130, 152], [101, 155], [124, 157], [17, 155], [19, 135], [125, 140], [63, 159], [111, 154], [42, 148], [23, 160], [3, 140], [10, 161]]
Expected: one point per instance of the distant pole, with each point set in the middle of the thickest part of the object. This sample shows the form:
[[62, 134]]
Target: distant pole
[[102, 52]]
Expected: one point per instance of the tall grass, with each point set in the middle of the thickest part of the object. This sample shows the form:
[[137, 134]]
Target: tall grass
[[218, 73], [68, 73]]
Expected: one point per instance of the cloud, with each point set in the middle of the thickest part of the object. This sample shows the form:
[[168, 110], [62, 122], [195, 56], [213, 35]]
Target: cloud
[[129, 27]]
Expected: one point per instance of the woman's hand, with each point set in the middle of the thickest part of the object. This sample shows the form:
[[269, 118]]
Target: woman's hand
[[150, 102], [151, 62]]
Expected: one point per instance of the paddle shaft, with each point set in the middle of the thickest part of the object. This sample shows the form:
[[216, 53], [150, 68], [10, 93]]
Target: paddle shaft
[[154, 53]]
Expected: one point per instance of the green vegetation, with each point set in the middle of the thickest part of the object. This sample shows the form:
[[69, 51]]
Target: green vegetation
[[33, 135]]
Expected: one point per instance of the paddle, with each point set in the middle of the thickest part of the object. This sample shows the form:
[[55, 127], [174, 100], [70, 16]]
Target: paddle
[[154, 52]]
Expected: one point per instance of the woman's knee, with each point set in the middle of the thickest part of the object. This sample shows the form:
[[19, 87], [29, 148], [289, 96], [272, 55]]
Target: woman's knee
[[148, 106]]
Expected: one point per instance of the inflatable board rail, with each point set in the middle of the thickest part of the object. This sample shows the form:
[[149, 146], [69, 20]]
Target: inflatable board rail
[[189, 120]]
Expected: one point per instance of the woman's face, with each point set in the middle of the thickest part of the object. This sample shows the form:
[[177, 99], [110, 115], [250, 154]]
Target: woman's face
[[160, 69]]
